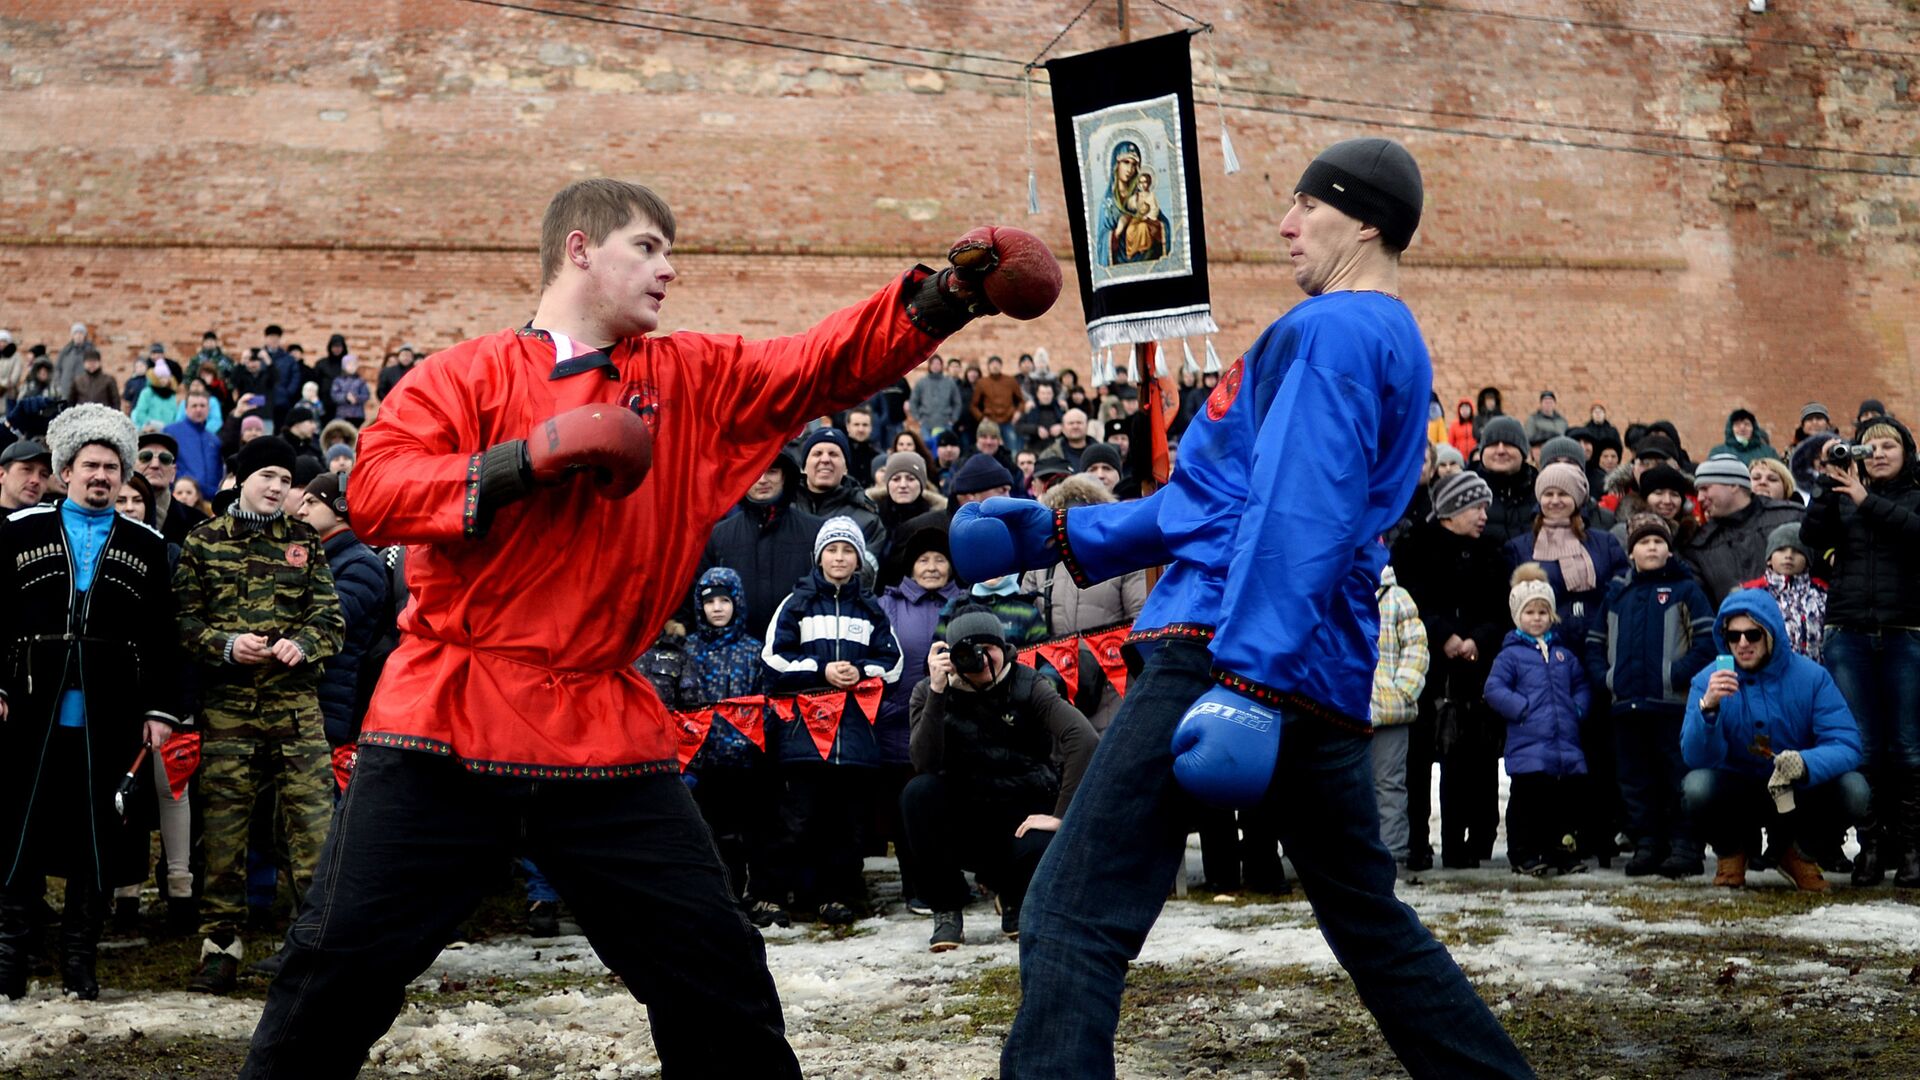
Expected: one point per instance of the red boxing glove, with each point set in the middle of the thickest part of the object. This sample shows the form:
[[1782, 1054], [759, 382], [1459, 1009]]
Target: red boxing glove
[[610, 440], [1012, 267]]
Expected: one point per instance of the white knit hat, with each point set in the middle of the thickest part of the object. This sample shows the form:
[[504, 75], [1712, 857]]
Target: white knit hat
[[1529, 584]]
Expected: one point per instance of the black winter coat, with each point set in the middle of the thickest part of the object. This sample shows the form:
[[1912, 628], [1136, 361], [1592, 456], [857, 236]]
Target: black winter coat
[[1459, 583], [1727, 551], [1002, 742], [120, 641], [1876, 550], [1513, 509], [360, 580], [770, 545]]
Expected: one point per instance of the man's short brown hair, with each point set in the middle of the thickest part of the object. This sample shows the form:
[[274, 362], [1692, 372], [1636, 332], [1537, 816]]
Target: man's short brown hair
[[597, 207]]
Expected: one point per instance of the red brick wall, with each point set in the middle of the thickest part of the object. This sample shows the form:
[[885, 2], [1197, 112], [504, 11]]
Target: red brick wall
[[166, 166]]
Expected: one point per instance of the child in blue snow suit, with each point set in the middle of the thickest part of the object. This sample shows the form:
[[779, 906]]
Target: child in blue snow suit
[[734, 781], [1537, 686]]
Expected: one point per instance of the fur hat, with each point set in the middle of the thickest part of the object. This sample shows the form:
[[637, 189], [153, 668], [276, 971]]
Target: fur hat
[[1529, 584], [86, 424], [840, 529]]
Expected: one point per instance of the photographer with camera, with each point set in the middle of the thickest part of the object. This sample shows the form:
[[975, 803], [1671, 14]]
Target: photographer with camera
[[987, 734], [1867, 514]]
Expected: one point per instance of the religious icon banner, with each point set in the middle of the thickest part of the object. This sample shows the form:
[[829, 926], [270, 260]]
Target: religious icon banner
[[1130, 162]]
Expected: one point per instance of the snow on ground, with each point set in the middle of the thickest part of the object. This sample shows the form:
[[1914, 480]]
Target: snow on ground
[[863, 1003]]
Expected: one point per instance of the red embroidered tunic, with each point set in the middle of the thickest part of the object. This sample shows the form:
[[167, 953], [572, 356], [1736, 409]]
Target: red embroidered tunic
[[517, 646]]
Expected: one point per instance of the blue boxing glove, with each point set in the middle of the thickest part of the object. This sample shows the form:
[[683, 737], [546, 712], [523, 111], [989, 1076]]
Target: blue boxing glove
[[1225, 749], [1001, 535]]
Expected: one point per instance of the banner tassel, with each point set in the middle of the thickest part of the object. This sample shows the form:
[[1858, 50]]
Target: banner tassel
[[1160, 363], [1191, 365], [1226, 150], [1226, 140], [1213, 360], [1133, 366]]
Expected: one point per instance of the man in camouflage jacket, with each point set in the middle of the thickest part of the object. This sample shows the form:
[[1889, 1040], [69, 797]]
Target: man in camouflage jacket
[[257, 611]]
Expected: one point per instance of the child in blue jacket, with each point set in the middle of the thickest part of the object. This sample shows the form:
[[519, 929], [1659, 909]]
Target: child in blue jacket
[[1538, 688], [1653, 633]]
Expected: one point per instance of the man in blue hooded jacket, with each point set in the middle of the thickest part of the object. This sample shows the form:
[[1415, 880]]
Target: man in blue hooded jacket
[[1262, 631], [1771, 744]]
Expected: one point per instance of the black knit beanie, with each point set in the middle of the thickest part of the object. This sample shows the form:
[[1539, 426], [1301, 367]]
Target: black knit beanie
[[1373, 180], [265, 451]]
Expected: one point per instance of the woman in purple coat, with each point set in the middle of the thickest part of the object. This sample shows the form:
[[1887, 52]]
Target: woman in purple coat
[[913, 607]]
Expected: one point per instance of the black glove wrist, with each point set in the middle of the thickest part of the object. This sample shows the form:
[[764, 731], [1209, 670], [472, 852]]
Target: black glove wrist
[[940, 304], [506, 476]]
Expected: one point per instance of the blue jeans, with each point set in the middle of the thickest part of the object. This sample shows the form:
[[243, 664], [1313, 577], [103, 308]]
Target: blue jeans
[[1109, 870], [1878, 672]]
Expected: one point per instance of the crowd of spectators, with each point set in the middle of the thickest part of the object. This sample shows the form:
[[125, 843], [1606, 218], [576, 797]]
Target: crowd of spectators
[[1666, 653]]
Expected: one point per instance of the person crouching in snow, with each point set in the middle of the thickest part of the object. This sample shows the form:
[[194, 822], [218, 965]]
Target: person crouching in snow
[[735, 786], [1538, 688], [1653, 634], [1772, 744], [828, 633]]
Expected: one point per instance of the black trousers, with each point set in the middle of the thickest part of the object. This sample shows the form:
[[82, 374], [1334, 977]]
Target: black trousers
[[817, 858], [1542, 811], [884, 825], [740, 806], [416, 843], [1241, 847], [953, 830]]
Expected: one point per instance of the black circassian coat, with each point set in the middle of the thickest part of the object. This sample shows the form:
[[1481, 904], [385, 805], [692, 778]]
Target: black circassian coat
[[120, 641]]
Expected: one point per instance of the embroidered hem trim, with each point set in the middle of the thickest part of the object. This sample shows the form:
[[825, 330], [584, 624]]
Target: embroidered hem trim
[[517, 770], [1066, 551], [1267, 695], [469, 517], [1176, 631]]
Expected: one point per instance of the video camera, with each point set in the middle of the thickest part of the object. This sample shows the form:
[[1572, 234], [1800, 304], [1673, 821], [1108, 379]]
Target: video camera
[[1845, 454]]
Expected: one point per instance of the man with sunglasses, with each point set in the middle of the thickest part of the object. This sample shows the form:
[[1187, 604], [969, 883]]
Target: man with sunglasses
[[1772, 744], [158, 460]]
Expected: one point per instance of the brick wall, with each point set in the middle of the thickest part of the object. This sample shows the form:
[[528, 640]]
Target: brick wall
[[378, 169]]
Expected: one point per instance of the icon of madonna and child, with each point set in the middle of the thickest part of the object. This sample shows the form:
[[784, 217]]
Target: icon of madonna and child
[[1132, 227]]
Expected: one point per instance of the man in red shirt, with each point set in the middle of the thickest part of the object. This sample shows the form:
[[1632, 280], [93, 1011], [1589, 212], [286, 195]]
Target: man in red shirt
[[510, 720]]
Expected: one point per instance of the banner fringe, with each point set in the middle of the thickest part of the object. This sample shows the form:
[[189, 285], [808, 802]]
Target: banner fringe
[[1151, 328]]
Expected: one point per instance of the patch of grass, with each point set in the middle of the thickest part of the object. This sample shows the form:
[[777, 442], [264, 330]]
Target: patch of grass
[[1723, 907], [990, 995], [1472, 926]]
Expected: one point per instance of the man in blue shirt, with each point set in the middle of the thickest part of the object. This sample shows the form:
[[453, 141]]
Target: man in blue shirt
[[1260, 635], [200, 456]]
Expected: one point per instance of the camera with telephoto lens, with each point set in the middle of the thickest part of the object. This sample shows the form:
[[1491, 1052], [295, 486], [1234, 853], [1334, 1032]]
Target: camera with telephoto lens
[[968, 656], [1844, 454]]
